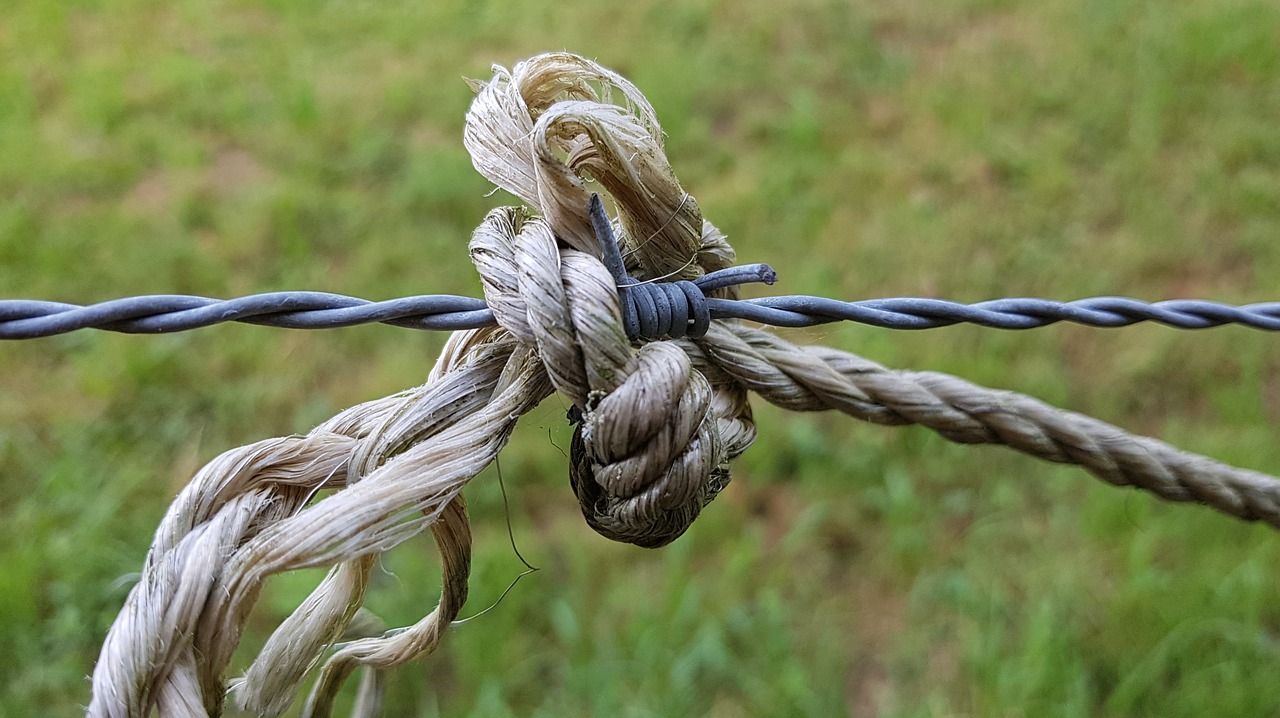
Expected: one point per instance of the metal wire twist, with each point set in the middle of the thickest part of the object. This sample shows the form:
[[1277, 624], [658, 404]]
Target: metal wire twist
[[650, 310], [156, 314]]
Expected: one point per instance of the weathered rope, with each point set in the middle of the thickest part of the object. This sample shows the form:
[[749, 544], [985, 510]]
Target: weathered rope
[[660, 409], [818, 378], [400, 462]]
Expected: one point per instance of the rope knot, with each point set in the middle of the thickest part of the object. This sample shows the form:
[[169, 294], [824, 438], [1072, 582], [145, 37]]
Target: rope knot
[[647, 452], [648, 456], [654, 434]]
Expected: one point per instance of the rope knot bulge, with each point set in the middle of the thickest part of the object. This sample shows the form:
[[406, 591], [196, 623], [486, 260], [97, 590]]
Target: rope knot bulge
[[609, 307], [647, 453]]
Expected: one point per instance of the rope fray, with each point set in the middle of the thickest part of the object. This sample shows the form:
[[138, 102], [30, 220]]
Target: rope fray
[[657, 419]]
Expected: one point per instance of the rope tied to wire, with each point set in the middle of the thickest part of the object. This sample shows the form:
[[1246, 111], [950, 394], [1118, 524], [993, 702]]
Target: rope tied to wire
[[593, 308]]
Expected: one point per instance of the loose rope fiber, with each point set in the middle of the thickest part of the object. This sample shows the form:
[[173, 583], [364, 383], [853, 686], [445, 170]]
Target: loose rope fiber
[[656, 421]]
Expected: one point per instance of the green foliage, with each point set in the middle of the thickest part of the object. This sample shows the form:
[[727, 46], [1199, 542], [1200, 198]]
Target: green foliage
[[967, 149]]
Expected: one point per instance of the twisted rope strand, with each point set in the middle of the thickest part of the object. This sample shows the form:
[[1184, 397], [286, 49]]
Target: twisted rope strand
[[243, 518], [821, 378]]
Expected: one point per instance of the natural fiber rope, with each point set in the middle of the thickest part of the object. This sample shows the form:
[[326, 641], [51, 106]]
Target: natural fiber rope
[[820, 378], [657, 423]]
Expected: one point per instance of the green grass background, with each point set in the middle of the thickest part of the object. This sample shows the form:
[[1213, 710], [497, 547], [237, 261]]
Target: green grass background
[[966, 149]]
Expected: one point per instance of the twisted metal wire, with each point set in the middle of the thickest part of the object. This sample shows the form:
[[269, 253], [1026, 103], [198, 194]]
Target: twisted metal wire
[[29, 319], [1015, 313], [650, 310]]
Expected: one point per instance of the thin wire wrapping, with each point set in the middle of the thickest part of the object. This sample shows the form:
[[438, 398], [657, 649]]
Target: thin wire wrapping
[[156, 314]]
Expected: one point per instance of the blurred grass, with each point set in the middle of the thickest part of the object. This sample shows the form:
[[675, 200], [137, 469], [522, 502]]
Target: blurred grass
[[967, 149]]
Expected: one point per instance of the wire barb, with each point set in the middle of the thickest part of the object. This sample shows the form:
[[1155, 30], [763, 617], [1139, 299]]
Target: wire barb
[[654, 309]]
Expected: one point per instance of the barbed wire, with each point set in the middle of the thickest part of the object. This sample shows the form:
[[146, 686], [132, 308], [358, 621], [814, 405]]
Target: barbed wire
[[1014, 313], [650, 309], [156, 314]]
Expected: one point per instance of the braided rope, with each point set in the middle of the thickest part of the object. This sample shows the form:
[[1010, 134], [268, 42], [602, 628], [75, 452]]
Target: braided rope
[[657, 420]]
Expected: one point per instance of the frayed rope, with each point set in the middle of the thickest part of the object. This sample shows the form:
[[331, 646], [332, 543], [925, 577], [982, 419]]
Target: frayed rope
[[659, 394]]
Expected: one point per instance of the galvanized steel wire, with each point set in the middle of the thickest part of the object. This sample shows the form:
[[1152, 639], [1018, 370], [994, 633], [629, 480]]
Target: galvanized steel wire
[[165, 313]]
